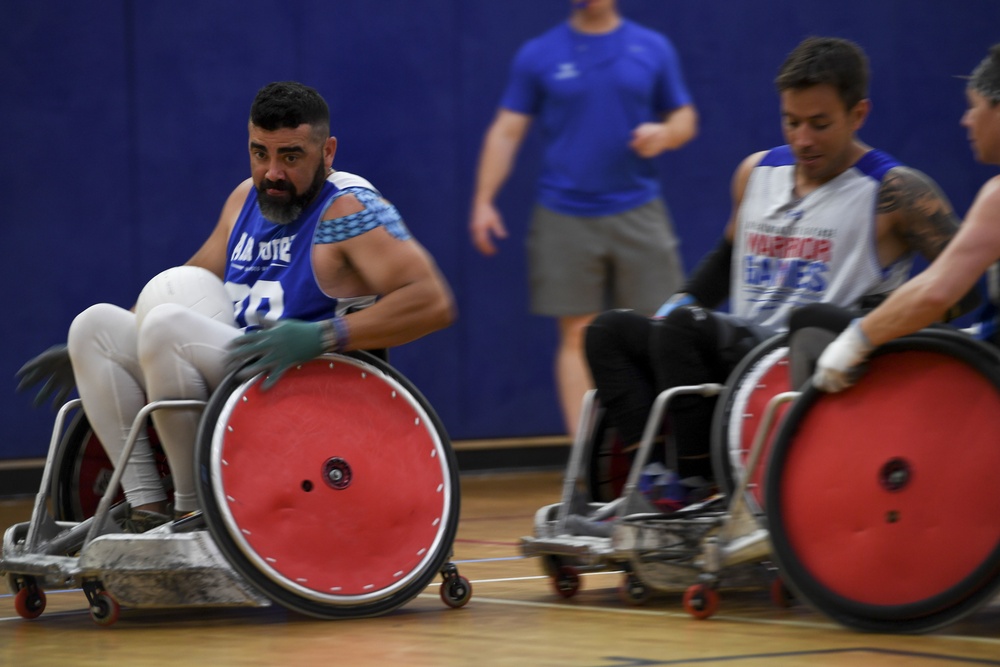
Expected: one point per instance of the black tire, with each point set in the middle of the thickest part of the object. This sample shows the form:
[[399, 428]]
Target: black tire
[[71, 495], [607, 463], [82, 470]]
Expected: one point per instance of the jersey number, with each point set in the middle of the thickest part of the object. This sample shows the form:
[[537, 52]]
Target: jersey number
[[264, 301]]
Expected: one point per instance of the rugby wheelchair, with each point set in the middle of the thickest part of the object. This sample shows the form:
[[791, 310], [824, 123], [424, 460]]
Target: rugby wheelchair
[[605, 521], [334, 494], [876, 505]]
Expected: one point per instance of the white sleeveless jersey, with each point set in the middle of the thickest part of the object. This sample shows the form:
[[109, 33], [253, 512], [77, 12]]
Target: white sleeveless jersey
[[821, 248]]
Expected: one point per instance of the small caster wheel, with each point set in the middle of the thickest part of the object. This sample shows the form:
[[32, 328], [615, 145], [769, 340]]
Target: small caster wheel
[[633, 590], [104, 609], [456, 591], [701, 601], [29, 602], [566, 581], [781, 595]]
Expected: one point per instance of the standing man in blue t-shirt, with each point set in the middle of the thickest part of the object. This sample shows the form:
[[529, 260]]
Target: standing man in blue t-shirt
[[609, 96]]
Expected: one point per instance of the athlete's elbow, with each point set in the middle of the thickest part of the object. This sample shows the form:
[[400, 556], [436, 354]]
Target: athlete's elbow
[[439, 309], [939, 298], [446, 311]]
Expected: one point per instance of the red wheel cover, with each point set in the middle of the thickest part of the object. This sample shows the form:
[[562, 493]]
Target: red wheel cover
[[882, 547], [361, 539]]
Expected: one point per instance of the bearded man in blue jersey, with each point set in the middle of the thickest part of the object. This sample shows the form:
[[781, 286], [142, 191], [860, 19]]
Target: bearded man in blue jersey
[[314, 260]]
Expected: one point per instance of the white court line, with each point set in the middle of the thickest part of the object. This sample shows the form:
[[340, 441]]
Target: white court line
[[673, 614]]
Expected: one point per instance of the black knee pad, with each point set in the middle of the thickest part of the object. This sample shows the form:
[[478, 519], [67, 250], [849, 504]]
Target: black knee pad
[[619, 329], [685, 323], [685, 337], [719, 337]]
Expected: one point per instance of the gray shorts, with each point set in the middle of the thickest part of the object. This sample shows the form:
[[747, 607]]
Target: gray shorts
[[581, 265]]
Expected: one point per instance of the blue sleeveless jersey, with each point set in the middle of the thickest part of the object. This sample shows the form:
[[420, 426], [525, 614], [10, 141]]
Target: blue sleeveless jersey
[[269, 275]]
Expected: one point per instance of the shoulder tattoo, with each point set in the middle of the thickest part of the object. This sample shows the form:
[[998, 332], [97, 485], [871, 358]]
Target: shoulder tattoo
[[377, 212], [925, 218]]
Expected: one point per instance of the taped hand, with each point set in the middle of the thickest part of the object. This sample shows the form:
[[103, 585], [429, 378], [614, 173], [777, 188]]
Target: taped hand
[[52, 367], [275, 350], [840, 365]]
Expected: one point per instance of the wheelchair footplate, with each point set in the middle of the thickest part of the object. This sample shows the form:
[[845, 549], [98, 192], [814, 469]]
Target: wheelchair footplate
[[158, 568]]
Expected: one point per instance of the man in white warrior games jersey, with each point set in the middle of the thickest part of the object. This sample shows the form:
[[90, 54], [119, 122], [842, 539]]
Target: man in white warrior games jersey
[[824, 218]]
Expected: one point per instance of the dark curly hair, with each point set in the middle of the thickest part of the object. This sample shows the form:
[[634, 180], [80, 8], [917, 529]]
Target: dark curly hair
[[288, 104]]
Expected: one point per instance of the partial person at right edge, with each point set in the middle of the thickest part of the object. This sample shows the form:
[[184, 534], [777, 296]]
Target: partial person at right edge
[[823, 219], [926, 298]]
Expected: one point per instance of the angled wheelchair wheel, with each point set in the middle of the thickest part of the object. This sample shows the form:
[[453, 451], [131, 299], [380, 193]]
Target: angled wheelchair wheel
[[335, 493], [881, 500], [606, 459], [82, 470], [609, 459], [760, 376]]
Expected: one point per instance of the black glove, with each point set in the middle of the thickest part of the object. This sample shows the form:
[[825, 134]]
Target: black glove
[[54, 369]]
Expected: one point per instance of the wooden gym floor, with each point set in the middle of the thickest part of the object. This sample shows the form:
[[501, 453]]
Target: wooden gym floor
[[514, 618]]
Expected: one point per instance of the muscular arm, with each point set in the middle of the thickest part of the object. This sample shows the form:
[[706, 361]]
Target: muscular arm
[[415, 297], [925, 299], [923, 219], [500, 147]]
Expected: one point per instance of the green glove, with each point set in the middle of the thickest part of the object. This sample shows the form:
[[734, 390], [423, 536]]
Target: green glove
[[275, 350], [52, 367]]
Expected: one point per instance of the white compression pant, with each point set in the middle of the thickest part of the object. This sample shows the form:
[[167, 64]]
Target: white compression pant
[[177, 354]]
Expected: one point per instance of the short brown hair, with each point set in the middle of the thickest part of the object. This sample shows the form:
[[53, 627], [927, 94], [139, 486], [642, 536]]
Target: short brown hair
[[827, 60]]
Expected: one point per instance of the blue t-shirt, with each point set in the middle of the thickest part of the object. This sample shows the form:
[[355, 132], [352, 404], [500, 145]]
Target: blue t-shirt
[[587, 93]]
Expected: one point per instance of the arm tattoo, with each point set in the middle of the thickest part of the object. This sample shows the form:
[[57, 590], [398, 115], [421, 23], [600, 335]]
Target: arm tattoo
[[925, 219]]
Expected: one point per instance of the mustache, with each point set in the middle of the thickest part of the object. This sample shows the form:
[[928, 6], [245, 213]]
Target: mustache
[[275, 185]]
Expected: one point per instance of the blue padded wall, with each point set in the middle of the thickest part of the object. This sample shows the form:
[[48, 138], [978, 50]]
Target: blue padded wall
[[126, 130]]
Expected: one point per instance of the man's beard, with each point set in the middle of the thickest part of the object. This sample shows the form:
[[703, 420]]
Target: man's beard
[[283, 211]]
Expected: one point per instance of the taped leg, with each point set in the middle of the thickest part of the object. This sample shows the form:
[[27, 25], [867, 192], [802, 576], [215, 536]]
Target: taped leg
[[103, 348], [182, 354]]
